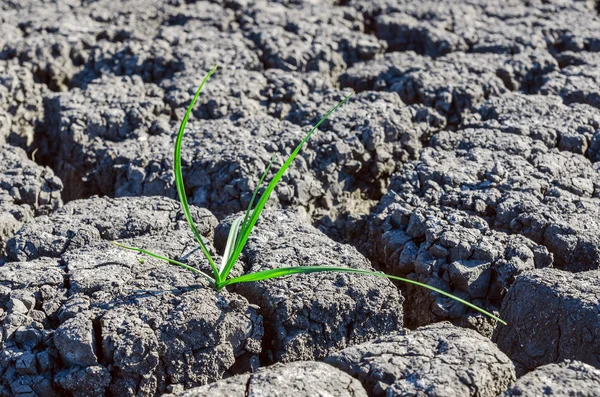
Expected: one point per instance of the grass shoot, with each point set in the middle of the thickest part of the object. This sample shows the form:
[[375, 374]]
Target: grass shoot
[[242, 226]]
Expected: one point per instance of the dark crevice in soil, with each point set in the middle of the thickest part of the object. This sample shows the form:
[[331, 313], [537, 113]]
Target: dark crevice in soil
[[98, 342], [247, 392], [67, 278]]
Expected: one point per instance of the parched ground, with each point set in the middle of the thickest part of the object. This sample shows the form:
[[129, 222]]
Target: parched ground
[[468, 159]]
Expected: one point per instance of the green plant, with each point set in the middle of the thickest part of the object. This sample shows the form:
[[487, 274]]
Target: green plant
[[242, 226]]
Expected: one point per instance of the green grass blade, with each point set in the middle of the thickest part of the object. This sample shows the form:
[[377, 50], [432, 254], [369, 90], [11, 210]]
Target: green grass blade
[[244, 224], [260, 182], [286, 271], [231, 243], [267, 193], [179, 178], [171, 261]]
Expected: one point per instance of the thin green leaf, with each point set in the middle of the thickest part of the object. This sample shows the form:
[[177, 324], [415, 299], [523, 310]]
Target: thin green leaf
[[286, 271], [179, 179], [230, 245], [260, 182], [171, 261], [267, 193], [244, 224]]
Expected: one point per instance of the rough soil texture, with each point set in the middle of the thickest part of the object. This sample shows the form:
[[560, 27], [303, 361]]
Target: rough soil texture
[[567, 378], [468, 159], [451, 250], [552, 316], [21, 101], [301, 378], [437, 360], [310, 316], [26, 190], [83, 222], [104, 321]]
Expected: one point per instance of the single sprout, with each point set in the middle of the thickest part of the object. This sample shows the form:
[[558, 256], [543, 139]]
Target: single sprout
[[242, 226]]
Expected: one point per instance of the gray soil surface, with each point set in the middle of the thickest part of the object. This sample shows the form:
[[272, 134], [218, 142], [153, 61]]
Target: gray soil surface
[[468, 159], [26, 190], [567, 378], [310, 316], [300, 378], [552, 316], [437, 360]]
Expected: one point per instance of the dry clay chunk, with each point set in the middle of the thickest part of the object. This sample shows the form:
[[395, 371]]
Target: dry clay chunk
[[143, 19], [110, 108], [429, 29], [378, 130], [168, 54], [154, 40], [574, 128], [286, 90], [299, 379], [21, 109], [451, 84], [27, 183], [451, 250], [552, 315], [309, 39], [126, 272], [31, 294], [362, 143], [54, 44], [189, 339], [577, 82], [156, 324], [565, 379], [489, 26], [82, 122], [437, 360], [26, 189], [230, 93], [205, 47], [81, 222], [309, 316], [517, 185]]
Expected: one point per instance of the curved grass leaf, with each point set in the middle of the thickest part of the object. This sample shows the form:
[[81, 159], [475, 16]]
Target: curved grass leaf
[[231, 241], [179, 179], [260, 182], [239, 223], [286, 271], [245, 233], [171, 261]]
